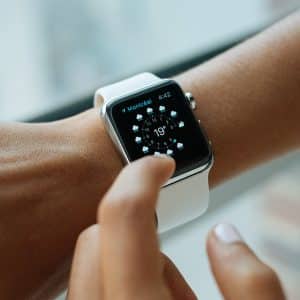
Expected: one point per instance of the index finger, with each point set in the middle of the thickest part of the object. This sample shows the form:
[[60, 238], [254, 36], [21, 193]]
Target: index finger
[[129, 245]]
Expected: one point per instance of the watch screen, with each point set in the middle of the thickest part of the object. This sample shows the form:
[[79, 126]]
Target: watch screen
[[159, 120]]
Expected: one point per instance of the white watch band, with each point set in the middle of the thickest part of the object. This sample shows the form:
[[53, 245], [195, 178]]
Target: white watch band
[[123, 87], [183, 200]]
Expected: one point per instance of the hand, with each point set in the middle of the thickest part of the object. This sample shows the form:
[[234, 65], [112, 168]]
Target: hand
[[121, 258]]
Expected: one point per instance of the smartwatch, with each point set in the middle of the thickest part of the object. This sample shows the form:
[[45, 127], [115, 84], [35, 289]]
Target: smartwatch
[[147, 115]]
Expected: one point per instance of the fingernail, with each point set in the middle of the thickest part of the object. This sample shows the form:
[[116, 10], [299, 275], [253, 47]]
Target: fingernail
[[162, 155], [227, 233]]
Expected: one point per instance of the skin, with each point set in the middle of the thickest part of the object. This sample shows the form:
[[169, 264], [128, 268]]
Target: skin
[[53, 175], [109, 262]]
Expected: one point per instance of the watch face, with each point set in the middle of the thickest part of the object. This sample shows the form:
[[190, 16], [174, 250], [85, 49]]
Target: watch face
[[159, 120]]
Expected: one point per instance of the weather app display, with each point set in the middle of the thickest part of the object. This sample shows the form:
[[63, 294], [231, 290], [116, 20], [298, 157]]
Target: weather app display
[[159, 121]]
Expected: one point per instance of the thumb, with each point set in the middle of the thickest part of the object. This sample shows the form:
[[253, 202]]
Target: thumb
[[237, 270]]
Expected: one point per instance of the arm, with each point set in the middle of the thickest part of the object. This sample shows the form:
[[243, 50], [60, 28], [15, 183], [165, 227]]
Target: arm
[[52, 175]]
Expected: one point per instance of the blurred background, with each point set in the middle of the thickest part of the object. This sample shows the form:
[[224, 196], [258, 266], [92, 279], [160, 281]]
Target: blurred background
[[53, 54]]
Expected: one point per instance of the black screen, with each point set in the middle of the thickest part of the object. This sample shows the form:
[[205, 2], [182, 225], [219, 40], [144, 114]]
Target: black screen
[[160, 120]]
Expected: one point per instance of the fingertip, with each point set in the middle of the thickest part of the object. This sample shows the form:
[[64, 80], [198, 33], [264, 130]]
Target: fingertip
[[227, 233], [136, 188], [236, 268], [154, 168], [220, 240], [161, 164]]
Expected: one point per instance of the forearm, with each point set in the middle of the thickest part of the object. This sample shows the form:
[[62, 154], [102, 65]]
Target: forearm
[[249, 99]]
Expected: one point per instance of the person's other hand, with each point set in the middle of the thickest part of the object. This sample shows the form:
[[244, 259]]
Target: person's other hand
[[121, 259], [239, 273]]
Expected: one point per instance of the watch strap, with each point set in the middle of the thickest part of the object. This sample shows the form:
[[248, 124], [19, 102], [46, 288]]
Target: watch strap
[[181, 201], [123, 87]]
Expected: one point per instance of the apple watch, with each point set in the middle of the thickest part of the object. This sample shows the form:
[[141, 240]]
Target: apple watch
[[147, 115]]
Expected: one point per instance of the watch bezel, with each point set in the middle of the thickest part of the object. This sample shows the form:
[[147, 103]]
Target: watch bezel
[[106, 114]]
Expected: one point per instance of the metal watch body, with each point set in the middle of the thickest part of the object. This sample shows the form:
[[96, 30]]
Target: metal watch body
[[154, 115]]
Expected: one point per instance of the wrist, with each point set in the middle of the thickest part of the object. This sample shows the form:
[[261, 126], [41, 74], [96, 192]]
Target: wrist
[[94, 148]]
